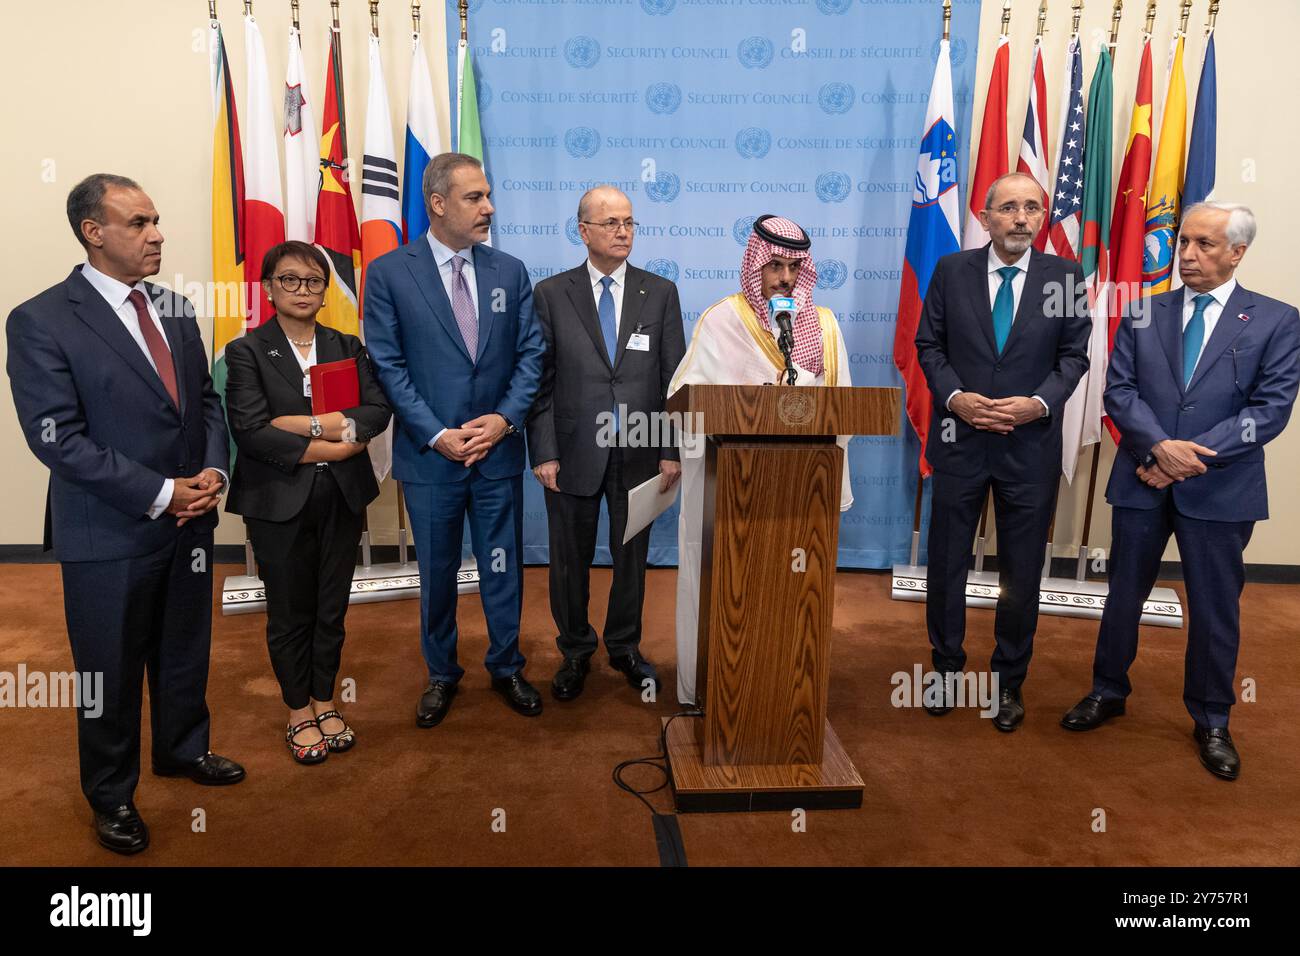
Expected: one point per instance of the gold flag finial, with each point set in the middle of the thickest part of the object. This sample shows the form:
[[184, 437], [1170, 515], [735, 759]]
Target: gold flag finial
[[1214, 15], [293, 12], [1078, 14], [464, 20], [1042, 18], [248, 8], [212, 9], [334, 12], [1006, 17], [1114, 21], [1186, 15], [415, 16], [374, 17], [947, 18], [1151, 16]]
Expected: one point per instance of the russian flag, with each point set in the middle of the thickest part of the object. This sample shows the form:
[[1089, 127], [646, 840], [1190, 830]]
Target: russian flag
[[422, 143], [932, 233]]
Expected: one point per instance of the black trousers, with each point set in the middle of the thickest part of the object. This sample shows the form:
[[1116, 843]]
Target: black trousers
[[149, 614], [306, 565], [572, 522], [1023, 513]]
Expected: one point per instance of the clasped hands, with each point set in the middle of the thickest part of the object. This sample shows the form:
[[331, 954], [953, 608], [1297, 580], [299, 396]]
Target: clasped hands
[[196, 495], [1000, 415], [472, 441], [1176, 460]]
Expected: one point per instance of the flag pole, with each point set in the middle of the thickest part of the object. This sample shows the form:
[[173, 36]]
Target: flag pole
[[1151, 18], [1186, 15], [1114, 23], [1214, 15], [334, 13], [916, 521], [1006, 18], [1078, 14], [293, 13], [212, 9], [1081, 570], [1042, 21], [374, 18], [947, 29], [415, 17]]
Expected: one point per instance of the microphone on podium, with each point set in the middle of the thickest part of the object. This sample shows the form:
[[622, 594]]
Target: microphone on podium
[[780, 311]]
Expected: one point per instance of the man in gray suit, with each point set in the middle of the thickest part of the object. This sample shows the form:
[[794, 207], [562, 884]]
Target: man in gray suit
[[613, 339]]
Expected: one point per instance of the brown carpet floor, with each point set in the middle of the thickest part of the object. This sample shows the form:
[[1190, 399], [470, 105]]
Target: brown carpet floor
[[948, 791]]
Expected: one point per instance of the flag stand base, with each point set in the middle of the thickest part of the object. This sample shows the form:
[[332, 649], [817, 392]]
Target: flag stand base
[[244, 593]]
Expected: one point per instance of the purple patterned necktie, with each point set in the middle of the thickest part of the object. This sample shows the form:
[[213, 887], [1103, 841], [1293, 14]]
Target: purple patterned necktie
[[462, 305]]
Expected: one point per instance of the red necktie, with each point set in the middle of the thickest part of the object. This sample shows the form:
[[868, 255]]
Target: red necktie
[[162, 356]]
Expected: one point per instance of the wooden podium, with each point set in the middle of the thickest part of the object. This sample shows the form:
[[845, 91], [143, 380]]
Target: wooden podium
[[771, 517]]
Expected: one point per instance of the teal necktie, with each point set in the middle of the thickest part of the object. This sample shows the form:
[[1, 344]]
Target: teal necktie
[[1004, 307], [1194, 335]]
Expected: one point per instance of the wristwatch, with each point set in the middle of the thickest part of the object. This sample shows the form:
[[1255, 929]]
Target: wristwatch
[[510, 428], [316, 429]]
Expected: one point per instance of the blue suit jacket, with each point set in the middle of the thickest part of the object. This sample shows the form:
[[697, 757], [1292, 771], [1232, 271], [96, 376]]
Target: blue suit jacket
[[1238, 400], [95, 412], [422, 364], [1045, 355]]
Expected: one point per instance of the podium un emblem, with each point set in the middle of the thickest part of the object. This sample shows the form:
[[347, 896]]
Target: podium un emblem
[[795, 408]]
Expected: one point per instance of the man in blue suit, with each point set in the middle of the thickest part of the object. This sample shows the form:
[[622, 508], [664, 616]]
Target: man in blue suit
[[457, 348], [110, 383], [1199, 381]]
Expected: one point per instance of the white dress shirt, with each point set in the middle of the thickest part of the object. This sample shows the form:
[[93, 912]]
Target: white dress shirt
[[443, 256], [615, 290], [1211, 313], [1021, 266], [116, 294]]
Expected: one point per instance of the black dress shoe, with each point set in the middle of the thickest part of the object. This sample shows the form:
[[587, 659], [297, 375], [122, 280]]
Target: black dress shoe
[[569, 679], [519, 694], [948, 700], [211, 770], [1217, 752], [1011, 711], [434, 703], [121, 830], [636, 669], [1091, 712]]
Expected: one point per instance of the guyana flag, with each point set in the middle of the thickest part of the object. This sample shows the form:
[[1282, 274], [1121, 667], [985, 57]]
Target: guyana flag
[[227, 305], [337, 232]]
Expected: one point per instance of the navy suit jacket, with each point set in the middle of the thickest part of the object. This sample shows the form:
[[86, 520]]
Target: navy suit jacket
[[422, 364], [1046, 354], [1238, 400], [95, 412]]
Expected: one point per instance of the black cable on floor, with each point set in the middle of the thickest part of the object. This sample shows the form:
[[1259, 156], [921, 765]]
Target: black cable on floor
[[668, 836]]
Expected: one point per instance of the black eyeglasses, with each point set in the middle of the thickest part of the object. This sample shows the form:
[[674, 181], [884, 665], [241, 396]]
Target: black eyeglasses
[[292, 283]]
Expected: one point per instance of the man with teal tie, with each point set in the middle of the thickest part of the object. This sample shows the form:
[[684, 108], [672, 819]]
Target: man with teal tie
[[1003, 341], [1199, 381]]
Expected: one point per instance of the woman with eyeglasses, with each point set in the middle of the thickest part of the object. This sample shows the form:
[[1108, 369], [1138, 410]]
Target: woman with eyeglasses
[[302, 483]]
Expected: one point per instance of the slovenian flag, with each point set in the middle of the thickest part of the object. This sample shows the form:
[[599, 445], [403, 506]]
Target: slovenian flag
[[932, 233]]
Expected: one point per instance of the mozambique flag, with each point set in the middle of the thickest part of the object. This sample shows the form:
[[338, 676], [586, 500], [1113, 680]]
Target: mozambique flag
[[337, 233], [227, 305], [1164, 203]]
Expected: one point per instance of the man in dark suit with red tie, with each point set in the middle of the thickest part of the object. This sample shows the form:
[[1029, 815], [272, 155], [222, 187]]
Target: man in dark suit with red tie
[[110, 382], [1200, 380]]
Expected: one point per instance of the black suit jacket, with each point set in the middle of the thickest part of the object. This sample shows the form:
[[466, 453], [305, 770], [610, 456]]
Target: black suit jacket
[[1046, 354], [578, 381], [264, 381], [95, 412]]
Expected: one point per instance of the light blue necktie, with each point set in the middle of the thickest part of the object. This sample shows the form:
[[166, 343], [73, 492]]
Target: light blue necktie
[[607, 329], [1004, 307], [1194, 335]]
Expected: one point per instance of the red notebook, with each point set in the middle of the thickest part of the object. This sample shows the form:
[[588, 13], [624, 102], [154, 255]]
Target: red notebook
[[334, 387]]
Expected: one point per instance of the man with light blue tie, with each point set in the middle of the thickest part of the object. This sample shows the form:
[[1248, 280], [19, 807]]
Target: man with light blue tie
[[1199, 381], [456, 346], [1002, 340]]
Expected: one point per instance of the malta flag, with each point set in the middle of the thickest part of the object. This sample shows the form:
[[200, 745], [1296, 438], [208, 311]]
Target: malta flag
[[301, 160], [423, 142], [263, 207], [227, 306], [992, 161], [1033, 141], [1128, 229], [1066, 201], [380, 211], [931, 234], [1081, 422], [1164, 203], [336, 216]]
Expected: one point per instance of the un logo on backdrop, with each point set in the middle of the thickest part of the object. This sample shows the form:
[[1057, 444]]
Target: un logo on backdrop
[[484, 95], [743, 227], [833, 187], [753, 142], [582, 142], [658, 8], [582, 52], [956, 51], [834, 6], [663, 98], [571, 231], [665, 188], [831, 274], [664, 268], [755, 53], [835, 98]]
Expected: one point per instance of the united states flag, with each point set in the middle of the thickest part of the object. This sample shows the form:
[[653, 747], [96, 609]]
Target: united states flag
[[1067, 196]]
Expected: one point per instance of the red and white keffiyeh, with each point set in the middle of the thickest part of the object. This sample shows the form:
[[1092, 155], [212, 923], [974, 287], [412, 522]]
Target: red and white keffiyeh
[[807, 352]]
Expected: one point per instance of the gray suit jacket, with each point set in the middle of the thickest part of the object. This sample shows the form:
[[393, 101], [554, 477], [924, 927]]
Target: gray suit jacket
[[579, 382]]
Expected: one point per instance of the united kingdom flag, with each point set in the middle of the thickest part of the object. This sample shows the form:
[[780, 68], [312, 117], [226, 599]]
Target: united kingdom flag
[[1067, 195]]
